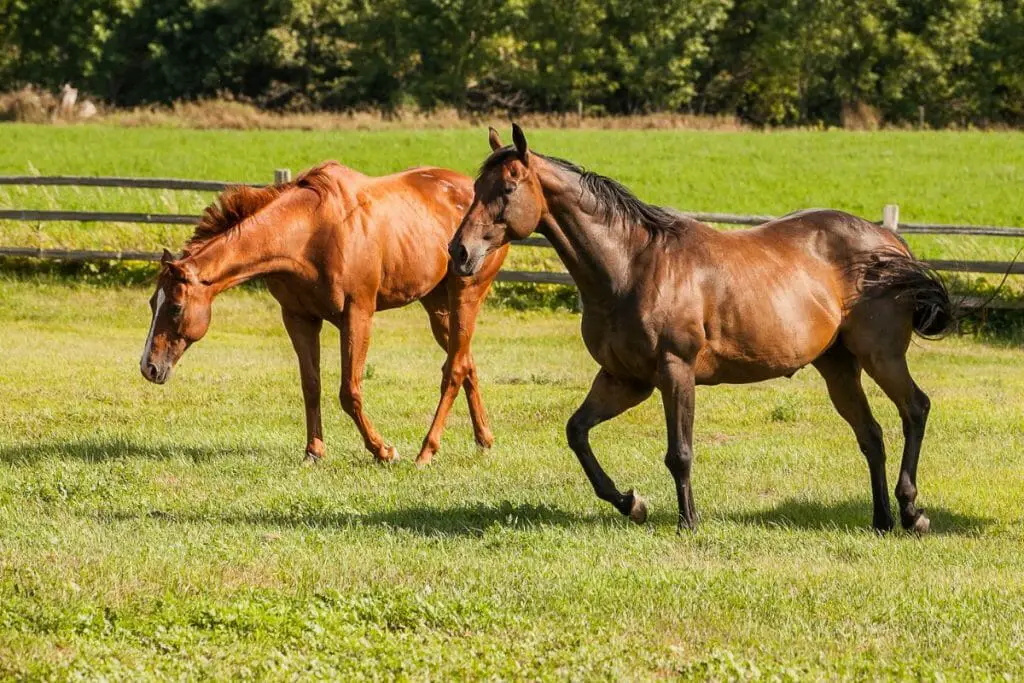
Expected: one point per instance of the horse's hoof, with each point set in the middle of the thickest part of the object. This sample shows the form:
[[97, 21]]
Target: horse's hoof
[[921, 525], [388, 455], [425, 457], [638, 511], [315, 452], [485, 441]]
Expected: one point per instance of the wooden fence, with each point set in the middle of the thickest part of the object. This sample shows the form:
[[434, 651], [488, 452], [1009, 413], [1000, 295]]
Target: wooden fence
[[890, 219]]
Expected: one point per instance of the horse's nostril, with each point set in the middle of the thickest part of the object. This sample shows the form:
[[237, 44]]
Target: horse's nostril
[[151, 371], [461, 254]]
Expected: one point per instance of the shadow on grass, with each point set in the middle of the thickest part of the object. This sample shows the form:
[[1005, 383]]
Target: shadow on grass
[[102, 450], [425, 520], [851, 515]]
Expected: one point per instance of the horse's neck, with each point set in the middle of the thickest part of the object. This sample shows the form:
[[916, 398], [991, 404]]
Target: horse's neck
[[597, 255], [270, 241]]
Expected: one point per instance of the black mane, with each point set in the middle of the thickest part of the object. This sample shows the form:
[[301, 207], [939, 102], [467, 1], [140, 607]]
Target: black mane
[[615, 201]]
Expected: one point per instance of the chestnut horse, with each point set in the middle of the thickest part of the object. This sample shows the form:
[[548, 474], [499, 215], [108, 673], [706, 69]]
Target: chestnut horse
[[334, 245], [670, 303]]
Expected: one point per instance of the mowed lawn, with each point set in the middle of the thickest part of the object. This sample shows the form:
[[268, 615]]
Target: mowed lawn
[[171, 531], [945, 177]]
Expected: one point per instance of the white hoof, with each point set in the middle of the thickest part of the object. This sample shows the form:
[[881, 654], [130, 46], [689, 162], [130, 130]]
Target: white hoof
[[638, 513]]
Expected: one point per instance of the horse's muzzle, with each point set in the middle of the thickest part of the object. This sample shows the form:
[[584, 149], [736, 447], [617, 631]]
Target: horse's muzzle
[[155, 374], [466, 261]]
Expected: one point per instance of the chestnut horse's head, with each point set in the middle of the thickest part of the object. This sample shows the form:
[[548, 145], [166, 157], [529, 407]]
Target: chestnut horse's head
[[181, 316], [507, 204]]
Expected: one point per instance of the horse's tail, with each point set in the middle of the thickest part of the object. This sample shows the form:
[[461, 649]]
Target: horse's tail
[[897, 274]]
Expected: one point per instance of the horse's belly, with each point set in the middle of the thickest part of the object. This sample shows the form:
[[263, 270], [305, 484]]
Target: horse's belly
[[412, 281], [396, 297], [719, 368], [775, 342]]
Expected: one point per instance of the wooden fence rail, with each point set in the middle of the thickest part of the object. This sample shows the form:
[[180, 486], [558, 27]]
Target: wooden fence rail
[[31, 215], [110, 181], [890, 219]]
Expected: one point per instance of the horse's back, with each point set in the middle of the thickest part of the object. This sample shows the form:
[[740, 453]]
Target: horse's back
[[422, 191], [833, 233], [438, 189]]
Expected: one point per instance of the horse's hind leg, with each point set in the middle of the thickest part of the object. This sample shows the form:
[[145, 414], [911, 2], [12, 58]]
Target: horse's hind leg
[[882, 350], [842, 373], [890, 372]]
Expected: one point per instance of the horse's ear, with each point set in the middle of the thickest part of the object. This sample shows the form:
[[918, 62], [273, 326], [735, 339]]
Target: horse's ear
[[177, 271], [166, 257], [520, 142], [492, 137]]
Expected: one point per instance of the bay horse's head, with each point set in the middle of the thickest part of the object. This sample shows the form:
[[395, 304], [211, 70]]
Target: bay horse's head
[[181, 316], [508, 203]]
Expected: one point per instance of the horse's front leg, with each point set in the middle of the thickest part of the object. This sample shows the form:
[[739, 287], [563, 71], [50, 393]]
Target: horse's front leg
[[608, 397], [304, 332], [676, 382], [355, 341], [465, 298]]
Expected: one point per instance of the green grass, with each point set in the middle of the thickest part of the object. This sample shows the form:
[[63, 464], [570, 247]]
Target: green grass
[[952, 177], [170, 531]]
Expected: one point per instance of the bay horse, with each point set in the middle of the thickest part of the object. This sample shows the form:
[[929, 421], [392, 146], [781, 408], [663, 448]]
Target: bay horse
[[334, 245], [670, 303]]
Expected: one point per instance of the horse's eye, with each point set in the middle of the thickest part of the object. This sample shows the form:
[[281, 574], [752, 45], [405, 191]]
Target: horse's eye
[[175, 309]]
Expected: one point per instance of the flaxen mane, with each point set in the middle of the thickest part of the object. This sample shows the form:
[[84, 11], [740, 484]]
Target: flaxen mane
[[239, 202]]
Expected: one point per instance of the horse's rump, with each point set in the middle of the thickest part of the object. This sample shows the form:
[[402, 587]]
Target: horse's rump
[[895, 273]]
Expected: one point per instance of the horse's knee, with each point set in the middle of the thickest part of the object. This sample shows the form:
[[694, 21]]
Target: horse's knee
[[456, 370]]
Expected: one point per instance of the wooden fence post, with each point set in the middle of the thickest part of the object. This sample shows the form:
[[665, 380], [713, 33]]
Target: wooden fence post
[[282, 176], [891, 217]]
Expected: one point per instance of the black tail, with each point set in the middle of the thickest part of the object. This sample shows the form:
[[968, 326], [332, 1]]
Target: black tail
[[893, 273]]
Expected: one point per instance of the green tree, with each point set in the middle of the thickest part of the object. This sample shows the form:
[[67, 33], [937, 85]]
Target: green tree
[[651, 52]]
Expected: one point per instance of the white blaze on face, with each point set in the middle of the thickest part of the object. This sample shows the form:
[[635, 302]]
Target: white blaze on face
[[160, 298]]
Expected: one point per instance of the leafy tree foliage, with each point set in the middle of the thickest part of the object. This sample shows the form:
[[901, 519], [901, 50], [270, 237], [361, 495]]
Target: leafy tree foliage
[[769, 61]]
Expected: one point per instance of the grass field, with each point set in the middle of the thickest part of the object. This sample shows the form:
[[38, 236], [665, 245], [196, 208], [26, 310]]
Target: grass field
[[170, 531], [971, 178]]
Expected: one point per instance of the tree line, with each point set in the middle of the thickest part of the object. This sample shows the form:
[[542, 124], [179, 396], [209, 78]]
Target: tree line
[[772, 62]]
